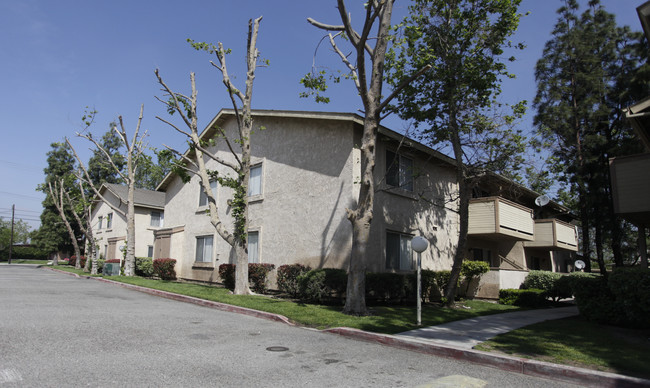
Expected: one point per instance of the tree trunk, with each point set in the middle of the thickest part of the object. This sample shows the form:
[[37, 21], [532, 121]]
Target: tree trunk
[[355, 295], [242, 286], [464, 194], [360, 218], [129, 265], [599, 242]]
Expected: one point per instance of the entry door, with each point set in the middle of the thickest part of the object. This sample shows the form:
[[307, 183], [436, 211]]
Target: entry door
[[111, 250], [161, 248]]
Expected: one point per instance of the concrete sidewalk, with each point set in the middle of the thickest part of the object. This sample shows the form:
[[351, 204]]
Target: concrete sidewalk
[[468, 333]]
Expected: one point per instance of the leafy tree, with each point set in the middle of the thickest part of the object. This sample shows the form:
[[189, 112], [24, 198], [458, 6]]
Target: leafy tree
[[194, 163], [586, 75], [454, 103], [100, 170], [21, 233], [53, 236], [150, 174], [366, 70]]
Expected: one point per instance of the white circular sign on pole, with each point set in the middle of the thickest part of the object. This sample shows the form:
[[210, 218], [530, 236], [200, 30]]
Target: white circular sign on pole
[[419, 244], [580, 264]]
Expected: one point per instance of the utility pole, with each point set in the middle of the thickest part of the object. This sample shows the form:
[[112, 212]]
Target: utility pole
[[11, 244]]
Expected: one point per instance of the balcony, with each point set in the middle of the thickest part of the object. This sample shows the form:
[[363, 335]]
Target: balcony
[[496, 217], [630, 187], [554, 234]]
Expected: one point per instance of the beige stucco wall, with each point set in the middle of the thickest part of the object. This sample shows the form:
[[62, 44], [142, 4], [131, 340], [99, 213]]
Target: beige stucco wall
[[300, 217], [143, 231], [425, 211]]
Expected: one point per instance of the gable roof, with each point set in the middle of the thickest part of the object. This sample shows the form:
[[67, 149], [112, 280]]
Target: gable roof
[[142, 197], [224, 114]]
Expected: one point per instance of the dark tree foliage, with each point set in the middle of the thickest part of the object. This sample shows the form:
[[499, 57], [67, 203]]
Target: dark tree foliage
[[454, 104], [99, 169], [589, 71], [52, 236]]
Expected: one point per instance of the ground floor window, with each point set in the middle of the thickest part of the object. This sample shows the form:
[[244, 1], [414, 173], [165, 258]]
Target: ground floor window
[[482, 254], [398, 251], [149, 250], [253, 247], [204, 249]]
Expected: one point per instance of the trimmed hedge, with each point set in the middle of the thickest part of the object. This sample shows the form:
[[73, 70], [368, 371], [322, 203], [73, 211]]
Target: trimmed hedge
[[389, 287], [524, 298], [73, 261], [622, 300], [164, 268], [257, 274], [323, 284], [19, 252], [288, 278], [144, 266]]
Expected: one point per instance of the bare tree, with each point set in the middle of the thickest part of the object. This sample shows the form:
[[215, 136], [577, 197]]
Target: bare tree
[[135, 147], [367, 71], [194, 163], [85, 226], [57, 197]]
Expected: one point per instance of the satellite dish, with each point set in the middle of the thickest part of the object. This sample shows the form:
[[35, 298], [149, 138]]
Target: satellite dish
[[542, 200], [579, 264]]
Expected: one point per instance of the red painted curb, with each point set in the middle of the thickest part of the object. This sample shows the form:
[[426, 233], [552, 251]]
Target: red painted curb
[[525, 366]]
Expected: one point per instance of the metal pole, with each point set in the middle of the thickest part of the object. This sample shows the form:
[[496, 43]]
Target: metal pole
[[11, 244], [419, 281]]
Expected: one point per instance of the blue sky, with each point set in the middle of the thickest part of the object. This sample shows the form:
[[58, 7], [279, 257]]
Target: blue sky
[[60, 56]]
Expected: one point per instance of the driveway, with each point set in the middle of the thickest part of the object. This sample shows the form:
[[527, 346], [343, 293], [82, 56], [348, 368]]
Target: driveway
[[58, 330]]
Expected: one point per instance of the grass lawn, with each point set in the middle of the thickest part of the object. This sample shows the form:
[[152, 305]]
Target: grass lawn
[[384, 319], [575, 341]]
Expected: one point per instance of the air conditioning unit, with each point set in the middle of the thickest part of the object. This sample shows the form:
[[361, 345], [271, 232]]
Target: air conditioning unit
[[111, 269]]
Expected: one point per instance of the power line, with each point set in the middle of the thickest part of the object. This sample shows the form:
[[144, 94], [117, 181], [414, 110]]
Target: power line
[[21, 195]]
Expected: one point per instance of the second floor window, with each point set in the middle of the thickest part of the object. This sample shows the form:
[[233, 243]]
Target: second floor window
[[203, 198], [101, 221], [109, 220], [255, 181], [156, 218], [399, 171]]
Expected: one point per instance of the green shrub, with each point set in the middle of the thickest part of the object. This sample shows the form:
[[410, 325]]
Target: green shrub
[[388, 287], [540, 280], [144, 266], [20, 252], [227, 275], [164, 268], [288, 278], [321, 284], [630, 288], [100, 265], [595, 301], [471, 270], [524, 298], [257, 274]]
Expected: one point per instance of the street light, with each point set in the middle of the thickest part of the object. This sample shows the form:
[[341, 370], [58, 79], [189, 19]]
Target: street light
[[419, 244]]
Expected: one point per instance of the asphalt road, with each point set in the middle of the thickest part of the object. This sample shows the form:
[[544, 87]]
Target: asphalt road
[[58, 331]]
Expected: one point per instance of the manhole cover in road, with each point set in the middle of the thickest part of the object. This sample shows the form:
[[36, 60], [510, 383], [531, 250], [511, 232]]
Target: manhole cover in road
[[277, 349]]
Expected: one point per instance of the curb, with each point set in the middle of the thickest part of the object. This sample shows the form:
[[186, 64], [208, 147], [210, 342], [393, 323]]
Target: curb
[[189, 299], [564, 373]]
